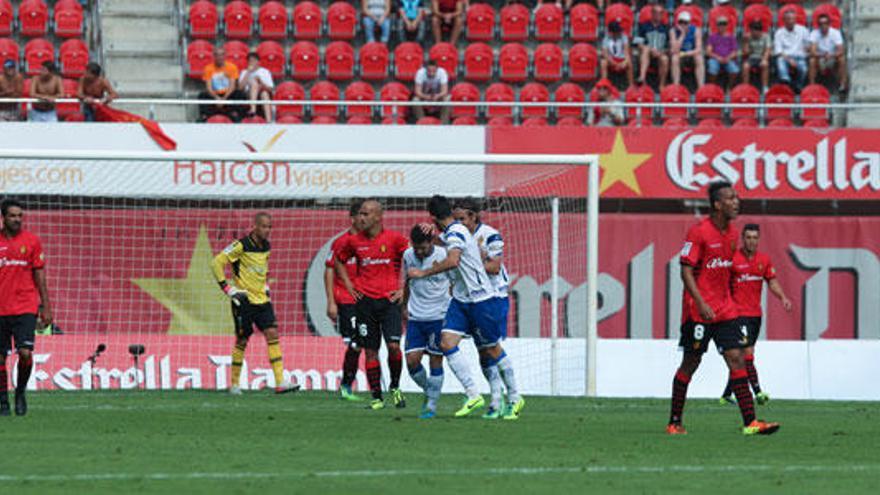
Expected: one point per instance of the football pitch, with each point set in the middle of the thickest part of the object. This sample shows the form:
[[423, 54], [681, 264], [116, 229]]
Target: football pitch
[[210, 442]]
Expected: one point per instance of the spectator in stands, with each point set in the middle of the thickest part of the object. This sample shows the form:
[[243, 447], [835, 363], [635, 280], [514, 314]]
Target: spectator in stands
[[11, 86], [47, 87], [686, 44], [412, 20], [722, 52], [790, 44], [655, 45], [616, 53], [756, 54], [257, 84], [826, 52], [432, 84], [221, 84], [94, 88], [448, 15], [376, 13], [608, 115]]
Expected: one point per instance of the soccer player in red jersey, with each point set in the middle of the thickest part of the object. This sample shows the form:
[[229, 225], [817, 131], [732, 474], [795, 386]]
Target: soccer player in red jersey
[[23, 285], [709, 310], [340, 306], [377, 290], [750, 269]]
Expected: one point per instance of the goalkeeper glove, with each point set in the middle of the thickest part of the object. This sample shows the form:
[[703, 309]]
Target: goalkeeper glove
[[235, 294]]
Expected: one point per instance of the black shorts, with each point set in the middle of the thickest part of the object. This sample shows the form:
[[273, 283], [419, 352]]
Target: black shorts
[[727, 335], [377, 318], [750, 326], [248, 315], [346, 322], [21, 328]]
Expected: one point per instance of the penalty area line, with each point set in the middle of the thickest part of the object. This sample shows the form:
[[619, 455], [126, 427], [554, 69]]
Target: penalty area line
[[523, 471]]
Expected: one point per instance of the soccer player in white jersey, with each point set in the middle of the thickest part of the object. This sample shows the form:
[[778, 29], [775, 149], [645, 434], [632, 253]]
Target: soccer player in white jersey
[[467, 212], [425, 303]]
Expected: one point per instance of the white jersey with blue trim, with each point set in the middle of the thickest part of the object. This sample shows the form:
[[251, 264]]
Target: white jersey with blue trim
[[470, 282], [492, 246], [429, 296]]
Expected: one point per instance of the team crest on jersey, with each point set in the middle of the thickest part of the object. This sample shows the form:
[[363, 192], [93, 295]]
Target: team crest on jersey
[[760, 267], [23, 249], [382, 248]]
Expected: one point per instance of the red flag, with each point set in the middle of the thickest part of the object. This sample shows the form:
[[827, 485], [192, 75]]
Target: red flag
[[103, 113]]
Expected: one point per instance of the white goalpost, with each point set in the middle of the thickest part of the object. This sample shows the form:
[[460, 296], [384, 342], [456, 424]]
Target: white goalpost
[[135, 205]]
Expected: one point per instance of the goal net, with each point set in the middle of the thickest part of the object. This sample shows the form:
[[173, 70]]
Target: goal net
[[128, 261]]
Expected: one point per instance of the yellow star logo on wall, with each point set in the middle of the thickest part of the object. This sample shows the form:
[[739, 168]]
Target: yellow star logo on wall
[[620, 166], [197, 305]]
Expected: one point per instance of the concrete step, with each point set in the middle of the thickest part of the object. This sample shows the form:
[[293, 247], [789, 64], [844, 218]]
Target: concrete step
[[866, 50], [160, 113], [864, 87], [142, 29], [141, 8], [867, 10], [138, 68], [869, 118], [149, 88]]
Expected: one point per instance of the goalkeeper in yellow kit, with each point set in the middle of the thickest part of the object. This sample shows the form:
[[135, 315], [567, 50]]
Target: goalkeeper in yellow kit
[[249, 293]]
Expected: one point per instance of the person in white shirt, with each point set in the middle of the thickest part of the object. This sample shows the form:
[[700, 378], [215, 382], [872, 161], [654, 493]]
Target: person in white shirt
[[616, 53], [425, 301], [790, 44], [826, 52], [257, 84], [432, 84]]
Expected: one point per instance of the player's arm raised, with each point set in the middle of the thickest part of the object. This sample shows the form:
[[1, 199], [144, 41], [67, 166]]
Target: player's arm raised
[[218, 267], [453, 258]]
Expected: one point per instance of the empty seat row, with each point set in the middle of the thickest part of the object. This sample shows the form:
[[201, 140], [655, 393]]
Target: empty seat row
[[34, 19], [272, 20], [73, 55]]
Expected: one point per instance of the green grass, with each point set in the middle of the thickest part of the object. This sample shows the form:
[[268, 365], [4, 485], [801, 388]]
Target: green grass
[[209, 442]]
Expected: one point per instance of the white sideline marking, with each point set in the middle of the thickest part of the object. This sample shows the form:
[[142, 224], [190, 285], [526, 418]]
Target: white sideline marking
[[228, 476]]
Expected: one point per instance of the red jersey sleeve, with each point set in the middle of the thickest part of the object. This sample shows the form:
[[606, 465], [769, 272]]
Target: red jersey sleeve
[[769, 269], [330, 262], [692, 250], [343, 250], [38, 259], [402, 245]]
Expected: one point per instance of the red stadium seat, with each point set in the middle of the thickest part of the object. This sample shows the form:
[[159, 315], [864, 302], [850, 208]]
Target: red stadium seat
[[710, 124], [446, 56], [307, 21], [272, 20], [583, 60], [394, 91], [479, 62], [549, 21], [289, 91], [800, 15], [745, 123], [594, 93], [499, 92], [466, 120], [339, 59], [831, 11], [500, 121], [569, 122], [639, 94], [218, 119], [374, 61], [514, 22], [272, 57], [33, 18], [464, 92], [675, 93], [570, 93], [643, 122], [74, 56], [253, 119], [393, 121], [203, 20], [676, 123], [513, 63], [480, 22], [535, 122], [359, 120], [428, 120], [341, 21], [359, 91], [237, 52], [817, 123], [325, 90], [408, 59], [288, 119], [548, 62], [9, 50], [709, 93], [757, 12], [818, 95], [584, 23], [199, 53], [534, 93], [71, 87], [780, 122], [305, 61], [324, 120], [779, 93], [7, 17], [68, 19], [623, 14], [36, 52], [695, 11], [238, 19], [645, 15], [727, 11], [744, 93]]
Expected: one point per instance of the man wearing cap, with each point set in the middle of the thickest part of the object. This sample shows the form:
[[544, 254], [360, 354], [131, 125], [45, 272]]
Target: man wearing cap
[[790, 44], [609, 115], [46, 87], [756, 54], [616, 53], [11, 86], [721, 53], [655, 36], [686, 42]]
